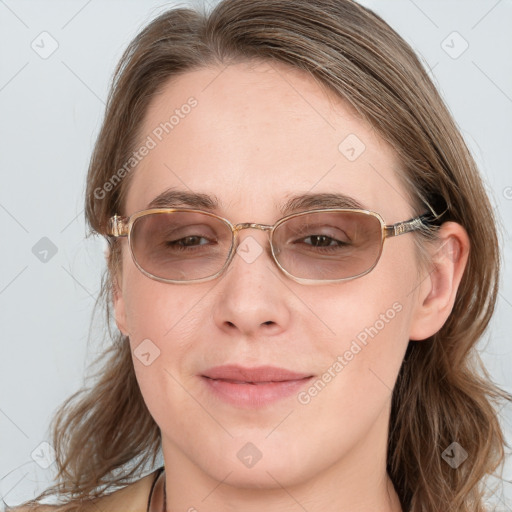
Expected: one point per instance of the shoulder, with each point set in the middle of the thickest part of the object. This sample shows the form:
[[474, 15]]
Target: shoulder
[[132, 498]]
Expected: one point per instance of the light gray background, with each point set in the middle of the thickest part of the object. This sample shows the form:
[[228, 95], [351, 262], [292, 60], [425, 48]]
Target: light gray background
[[51, 110]]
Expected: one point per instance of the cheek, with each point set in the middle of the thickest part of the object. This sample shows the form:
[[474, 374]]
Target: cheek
[[164, 313], [370, 318], [163, 324], [370, 342], [352, 392], [152, 308]]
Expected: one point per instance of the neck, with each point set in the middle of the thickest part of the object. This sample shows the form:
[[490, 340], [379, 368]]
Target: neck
[[158, 503], [357, 481]]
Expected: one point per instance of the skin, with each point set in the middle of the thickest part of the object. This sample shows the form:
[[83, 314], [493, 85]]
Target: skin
[[259, 133]]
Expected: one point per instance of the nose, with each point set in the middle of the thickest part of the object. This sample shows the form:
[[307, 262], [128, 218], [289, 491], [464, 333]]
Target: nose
[[252, 298]]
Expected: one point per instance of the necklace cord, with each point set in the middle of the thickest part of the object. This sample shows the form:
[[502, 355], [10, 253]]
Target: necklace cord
[[150, 497]]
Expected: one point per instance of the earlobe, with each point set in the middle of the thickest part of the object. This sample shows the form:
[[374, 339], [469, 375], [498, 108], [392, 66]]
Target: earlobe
[[438, 289]]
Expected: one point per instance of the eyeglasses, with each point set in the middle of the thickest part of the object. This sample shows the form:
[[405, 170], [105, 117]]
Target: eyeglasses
[[181, 245]]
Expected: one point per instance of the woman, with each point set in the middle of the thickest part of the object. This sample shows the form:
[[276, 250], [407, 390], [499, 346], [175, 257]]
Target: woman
[[278, 349]]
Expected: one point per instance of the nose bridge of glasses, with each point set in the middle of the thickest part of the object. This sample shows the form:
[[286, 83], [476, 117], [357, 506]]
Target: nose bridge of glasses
[[254, 225]]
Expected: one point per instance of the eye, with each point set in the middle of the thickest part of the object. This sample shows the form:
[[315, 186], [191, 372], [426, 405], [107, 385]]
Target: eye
[[187, 236], [324, 241], [188, 241]]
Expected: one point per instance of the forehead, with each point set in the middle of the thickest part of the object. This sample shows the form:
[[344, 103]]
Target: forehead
[[252, 136]]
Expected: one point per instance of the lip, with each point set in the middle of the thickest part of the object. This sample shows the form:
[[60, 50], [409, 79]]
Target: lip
[[255, 374], [253, 387]]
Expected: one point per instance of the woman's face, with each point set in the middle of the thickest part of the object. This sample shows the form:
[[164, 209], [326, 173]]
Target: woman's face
[[252, 137]]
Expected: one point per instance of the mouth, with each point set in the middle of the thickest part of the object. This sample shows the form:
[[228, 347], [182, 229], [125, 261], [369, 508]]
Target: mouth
[[255, 375], [253, 387]]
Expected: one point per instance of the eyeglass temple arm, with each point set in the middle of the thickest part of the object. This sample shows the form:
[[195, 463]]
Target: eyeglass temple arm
[[117, 226], [421, 222]]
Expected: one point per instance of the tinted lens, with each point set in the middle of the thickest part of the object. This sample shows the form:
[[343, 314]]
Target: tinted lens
[[328, 245], [180, 246]]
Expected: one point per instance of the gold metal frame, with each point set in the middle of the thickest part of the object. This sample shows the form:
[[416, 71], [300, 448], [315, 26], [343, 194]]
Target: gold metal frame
[[120, 226]]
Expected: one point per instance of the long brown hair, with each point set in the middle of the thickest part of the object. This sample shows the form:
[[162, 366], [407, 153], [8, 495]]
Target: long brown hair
[[104, 436]]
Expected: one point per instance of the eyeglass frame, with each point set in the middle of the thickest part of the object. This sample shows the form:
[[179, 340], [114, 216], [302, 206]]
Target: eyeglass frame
[[121, 226]]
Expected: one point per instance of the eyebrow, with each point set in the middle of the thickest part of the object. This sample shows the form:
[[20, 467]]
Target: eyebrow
[[172, 198], [310, 201]]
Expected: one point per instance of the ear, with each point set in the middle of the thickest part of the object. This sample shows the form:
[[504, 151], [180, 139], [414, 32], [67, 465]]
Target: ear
[[117, 295], [438, 288], [119, 307]]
